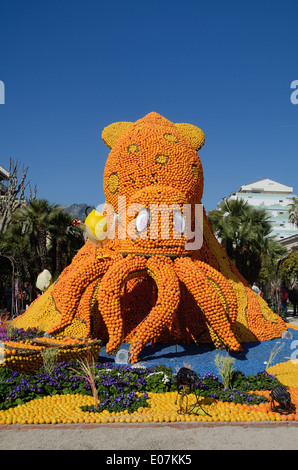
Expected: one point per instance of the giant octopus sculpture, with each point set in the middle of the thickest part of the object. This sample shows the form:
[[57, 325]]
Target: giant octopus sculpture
[[140, 287]]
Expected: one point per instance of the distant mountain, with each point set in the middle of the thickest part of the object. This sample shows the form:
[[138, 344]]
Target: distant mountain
[[77, 211]]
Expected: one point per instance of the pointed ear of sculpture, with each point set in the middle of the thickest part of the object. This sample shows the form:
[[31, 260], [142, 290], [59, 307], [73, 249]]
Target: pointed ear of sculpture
[[193, 134], [111, 133]]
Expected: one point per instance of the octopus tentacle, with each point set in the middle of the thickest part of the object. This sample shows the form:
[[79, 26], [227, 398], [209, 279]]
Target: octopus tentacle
[[259, 325], [84, 308], [109, 296], [161, 315], [138, 299], [98, 329], [84, 255], [224, 288], [208, 300], [236, 280], [67, 294]]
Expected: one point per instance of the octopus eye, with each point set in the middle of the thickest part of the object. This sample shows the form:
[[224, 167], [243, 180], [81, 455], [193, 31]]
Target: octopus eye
[[179, 221], [142, 220]]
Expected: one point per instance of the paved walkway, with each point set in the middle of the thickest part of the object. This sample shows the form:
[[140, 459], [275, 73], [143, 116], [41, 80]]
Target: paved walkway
[[152, 437]]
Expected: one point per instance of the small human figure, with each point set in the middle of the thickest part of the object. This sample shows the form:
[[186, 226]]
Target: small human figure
[[284, 300], [256, 289], [8, 298], [293, 298], [26, 295]]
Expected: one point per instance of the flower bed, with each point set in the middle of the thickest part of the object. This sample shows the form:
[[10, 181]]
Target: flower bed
[[31, 393], [19, 334], [129, 394]]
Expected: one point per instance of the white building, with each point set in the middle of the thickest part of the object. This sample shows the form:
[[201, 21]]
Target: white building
[[290, 243], [4, 176], [276, 199]]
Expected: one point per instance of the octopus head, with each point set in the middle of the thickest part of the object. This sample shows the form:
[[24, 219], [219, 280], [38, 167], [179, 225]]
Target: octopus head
[[152, 177]]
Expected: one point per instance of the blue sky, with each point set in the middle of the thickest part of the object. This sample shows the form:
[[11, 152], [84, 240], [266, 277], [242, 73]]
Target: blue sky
[[70, 68]]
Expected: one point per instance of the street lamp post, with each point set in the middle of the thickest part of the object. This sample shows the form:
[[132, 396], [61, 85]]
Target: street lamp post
[[12, 284]]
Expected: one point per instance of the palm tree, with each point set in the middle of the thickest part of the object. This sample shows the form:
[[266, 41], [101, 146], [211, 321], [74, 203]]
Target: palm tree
[[231, 226], [244, 231], [65, 240], [293, 211], [15, 243], [37, 218]]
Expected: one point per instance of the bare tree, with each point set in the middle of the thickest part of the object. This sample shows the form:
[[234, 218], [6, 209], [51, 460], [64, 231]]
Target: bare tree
[[14, 196]]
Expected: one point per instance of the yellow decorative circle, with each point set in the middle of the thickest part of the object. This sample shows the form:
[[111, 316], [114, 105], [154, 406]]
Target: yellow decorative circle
[[170, 138], [161, 159], [139, 127], [195, 171], [132, 148], [113, 183]]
